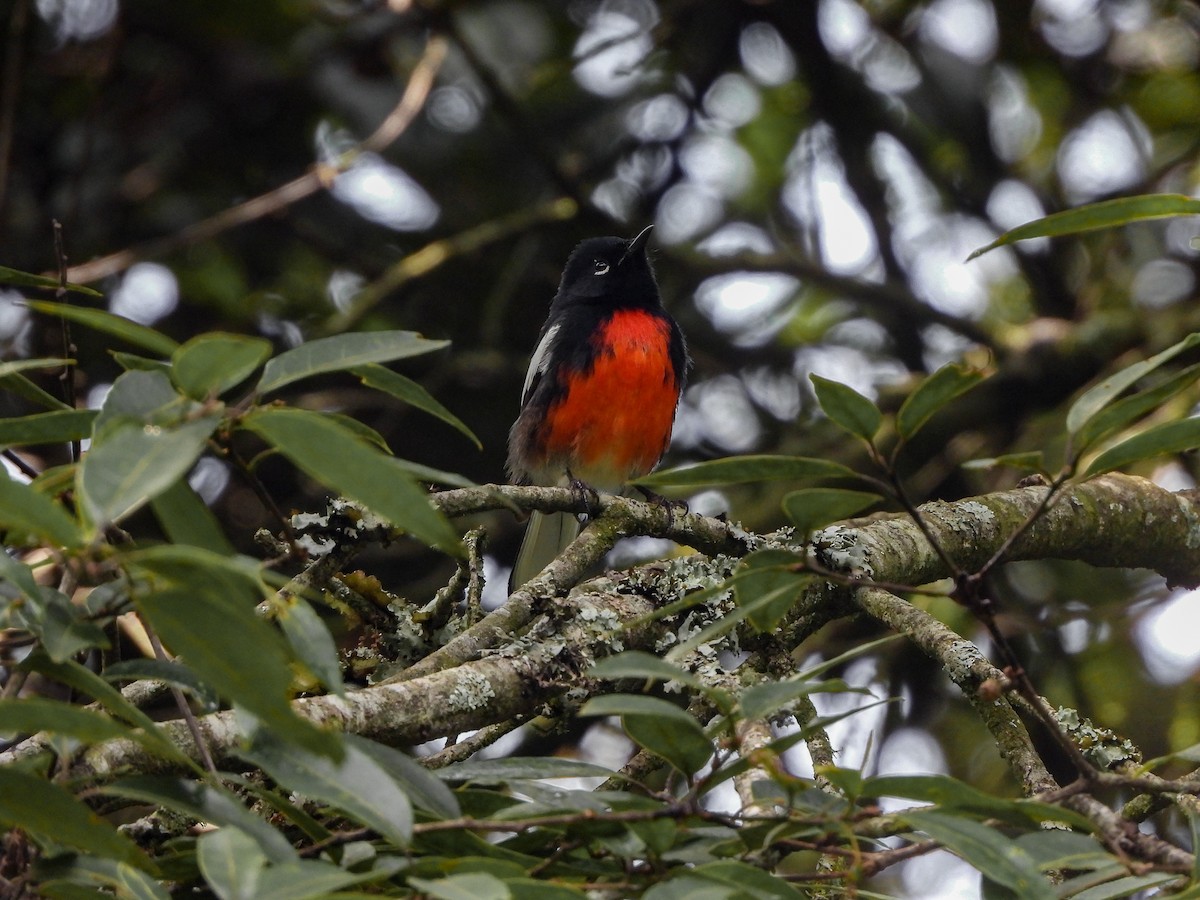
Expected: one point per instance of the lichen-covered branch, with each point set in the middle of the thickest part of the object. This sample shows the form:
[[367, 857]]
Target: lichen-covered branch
[[535, 647], [968, 668], [1114, 520]]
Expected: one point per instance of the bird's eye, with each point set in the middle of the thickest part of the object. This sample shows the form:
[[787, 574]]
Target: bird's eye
[[600, 267]]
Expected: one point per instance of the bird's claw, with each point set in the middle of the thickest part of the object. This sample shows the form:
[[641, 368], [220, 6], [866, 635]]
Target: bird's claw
[[585, 495], [671, 506]]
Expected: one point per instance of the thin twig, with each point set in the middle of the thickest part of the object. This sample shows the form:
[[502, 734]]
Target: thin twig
[[437, 253], [476, 542], [181, 701], [1036, 513], [16, 681], [23, 467], [62, 296], [268, 502], [469, 746], [318, 177]]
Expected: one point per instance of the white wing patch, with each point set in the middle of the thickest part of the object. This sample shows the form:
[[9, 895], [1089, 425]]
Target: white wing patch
[[540, 362]]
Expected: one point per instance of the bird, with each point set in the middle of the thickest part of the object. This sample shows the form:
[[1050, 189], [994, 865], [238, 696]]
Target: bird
[[602, 389]]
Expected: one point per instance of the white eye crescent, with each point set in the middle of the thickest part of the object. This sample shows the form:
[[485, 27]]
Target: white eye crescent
[[600, 267]]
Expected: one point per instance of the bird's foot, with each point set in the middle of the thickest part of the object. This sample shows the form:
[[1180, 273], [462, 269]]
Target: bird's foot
[[585, 495], [671, 506]]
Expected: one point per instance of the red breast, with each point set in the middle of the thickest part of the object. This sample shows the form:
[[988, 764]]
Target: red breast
[[613, 421]]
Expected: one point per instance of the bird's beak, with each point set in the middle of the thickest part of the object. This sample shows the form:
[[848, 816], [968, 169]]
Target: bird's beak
[[638, 244]]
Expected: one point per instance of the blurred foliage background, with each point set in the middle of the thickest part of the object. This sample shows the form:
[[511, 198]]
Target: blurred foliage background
[[817, 173]]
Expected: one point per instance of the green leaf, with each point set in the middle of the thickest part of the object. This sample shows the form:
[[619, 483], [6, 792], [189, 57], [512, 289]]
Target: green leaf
[[770, 697], [1128, 887], [434, 476], [52, 816], [950, 793], [210, 364], [467, 886], [849, 782], [940, 789], [231, 863], [203, 608], [24, 508], [847, 407], [424, 789], [639, 664], [145, 439], [341, 352], [82, 679], [170, 673], [18, 575], [206, 803], [132, 464], [987, 849], [136, 362], [532, 889], [934, 392], [402, 388], [186, 519], [360, 430], [748, 881], [81, 875], [23, 387], [109, 323], [308, 879], [1094, 216], [1169, 437], [1189, 754], [741, 469], [813, 508], [338, 459], [1054, 848], [24, 365], [1101, 395], [636, 705], [61, 627], [356, 785], [768, 587], [519, 768], [686, 886], [311, 641], [658, 726], [36, 714], [276, 800], [1128, 409], [59, 427], [143, 397], [18, 278], [416, 470]]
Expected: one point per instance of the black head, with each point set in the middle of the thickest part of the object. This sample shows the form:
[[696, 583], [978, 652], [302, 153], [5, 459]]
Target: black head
[[610, 270]]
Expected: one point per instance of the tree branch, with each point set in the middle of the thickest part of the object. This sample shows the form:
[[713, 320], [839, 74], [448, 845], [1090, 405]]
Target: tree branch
[[318, 177]]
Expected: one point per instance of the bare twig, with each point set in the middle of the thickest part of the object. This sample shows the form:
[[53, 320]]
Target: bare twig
[[62, 296], [23, 467], [887, 298], [318, 177], [437, 253], [184, 710], [469, 746]]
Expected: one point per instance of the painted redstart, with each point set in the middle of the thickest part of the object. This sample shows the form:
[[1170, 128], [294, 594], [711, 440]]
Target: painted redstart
[[601, 391]]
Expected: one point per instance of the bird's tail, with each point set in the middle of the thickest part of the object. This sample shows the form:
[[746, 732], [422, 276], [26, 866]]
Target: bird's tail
[[546, 536]]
